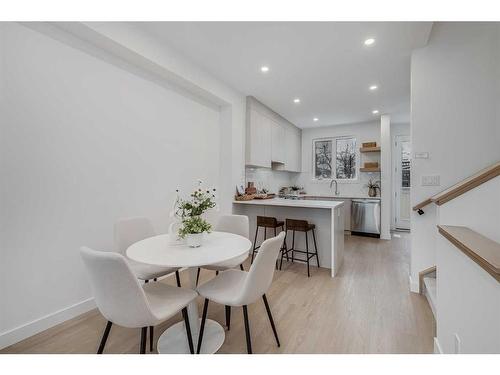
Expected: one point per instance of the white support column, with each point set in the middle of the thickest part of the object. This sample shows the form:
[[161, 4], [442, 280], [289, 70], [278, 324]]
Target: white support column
[[386, 176]]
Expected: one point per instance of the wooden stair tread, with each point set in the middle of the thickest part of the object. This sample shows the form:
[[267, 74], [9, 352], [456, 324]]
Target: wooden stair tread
[[482, 250]]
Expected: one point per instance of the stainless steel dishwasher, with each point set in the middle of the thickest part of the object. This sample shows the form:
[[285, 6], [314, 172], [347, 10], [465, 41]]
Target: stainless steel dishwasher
[[365, 217]]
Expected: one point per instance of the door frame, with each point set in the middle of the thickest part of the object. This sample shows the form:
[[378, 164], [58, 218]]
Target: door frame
[[396, 180]]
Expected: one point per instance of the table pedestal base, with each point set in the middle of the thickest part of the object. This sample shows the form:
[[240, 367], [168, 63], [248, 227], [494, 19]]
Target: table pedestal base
[[174, 339]]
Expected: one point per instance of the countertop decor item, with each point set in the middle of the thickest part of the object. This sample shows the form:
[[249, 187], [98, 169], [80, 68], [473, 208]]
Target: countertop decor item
[[189, 212], [246, 197], [372, 188], [371, 164], [251, 189], [264, 196]]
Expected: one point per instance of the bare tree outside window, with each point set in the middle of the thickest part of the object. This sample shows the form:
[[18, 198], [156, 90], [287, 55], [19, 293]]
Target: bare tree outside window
[[335, 160], [346, 158], [323, 159]]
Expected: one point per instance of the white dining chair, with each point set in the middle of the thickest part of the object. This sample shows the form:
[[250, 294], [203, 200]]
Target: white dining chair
[[239, 288], [127, 232], [122, 300], [236, 224]]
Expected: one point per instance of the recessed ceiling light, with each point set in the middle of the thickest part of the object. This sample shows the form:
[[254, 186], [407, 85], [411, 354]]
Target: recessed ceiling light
[[315, 119], [264, 69], [296, 100], [373, 87], [369, 41], [375, 111]]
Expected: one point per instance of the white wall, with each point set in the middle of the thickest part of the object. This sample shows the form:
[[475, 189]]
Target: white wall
[[363, 132], [84, 143], [468, 298], [454, 104]]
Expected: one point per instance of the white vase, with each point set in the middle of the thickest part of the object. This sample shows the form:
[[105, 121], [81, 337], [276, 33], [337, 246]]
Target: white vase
[[194, 239]]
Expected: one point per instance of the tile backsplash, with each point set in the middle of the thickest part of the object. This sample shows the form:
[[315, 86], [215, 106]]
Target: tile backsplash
[[270, 179], [274, 180]]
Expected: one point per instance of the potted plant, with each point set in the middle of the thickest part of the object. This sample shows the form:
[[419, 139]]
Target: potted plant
[[189, 212], [372, 187], [295, 189]]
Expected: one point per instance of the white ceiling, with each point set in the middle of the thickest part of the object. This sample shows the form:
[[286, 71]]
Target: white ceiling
[[325, 64]]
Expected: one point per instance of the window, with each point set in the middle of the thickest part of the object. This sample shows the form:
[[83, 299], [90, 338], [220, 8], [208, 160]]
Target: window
[[335, 158]]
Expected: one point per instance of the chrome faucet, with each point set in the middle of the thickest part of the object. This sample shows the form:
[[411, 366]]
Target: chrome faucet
[[336, 186]]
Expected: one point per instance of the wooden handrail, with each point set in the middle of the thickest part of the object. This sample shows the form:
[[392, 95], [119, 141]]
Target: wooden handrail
[[482, 250], [458, 189]]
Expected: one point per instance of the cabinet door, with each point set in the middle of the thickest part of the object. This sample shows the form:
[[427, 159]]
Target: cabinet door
[[277, 142], [293, 150], [258, 140]]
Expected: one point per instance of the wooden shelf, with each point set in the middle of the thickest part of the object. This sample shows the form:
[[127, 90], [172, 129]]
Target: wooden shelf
[[369, 149], [369, 169]]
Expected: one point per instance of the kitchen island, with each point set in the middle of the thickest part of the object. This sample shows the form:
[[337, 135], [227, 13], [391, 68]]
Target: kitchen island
[[328, 216]]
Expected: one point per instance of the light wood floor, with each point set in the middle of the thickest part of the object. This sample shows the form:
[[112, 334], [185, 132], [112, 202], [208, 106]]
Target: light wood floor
[[366, 309]]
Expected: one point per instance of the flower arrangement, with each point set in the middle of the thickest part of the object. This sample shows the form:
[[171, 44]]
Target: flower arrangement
[[189, 211]]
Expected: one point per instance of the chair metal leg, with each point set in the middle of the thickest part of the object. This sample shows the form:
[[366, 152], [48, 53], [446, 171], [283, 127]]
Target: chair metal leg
[[284, 242], [307, 254], [216, 273], [293, 244], [151, 336], [188, 330], [228, 317], [284, 250], [178, 278], [202, 326], [241, 267], [315, 247], [271, 320], [254, 243], [276, 265], [104, 337], [144, 333], [247, 329], [198, 276]]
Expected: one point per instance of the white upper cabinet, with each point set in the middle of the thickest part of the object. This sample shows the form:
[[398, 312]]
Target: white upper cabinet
[[271, 141], [258, 144], [278, 146], [293, 161]]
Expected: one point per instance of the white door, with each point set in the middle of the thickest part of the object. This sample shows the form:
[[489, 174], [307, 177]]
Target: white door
[[402, 180]]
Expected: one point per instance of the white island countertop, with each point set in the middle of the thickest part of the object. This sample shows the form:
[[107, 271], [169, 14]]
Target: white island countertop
[[326, 215], [292, 203]]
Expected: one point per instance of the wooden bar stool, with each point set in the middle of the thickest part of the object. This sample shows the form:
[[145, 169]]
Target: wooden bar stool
[[300, 226], [266, 222]]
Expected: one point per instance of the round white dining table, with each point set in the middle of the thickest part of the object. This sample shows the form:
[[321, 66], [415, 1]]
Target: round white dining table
[[165, 251]]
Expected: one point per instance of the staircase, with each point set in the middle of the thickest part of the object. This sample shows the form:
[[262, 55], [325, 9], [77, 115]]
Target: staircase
[[428, 287], [467, 253], [430, 292]]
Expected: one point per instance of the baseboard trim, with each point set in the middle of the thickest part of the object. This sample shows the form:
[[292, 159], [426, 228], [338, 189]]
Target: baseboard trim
[[437, 347], [414, 286], [24, 331]]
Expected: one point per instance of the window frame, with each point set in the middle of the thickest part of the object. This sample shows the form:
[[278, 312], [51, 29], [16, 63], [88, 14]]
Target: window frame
[[334, 167]]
